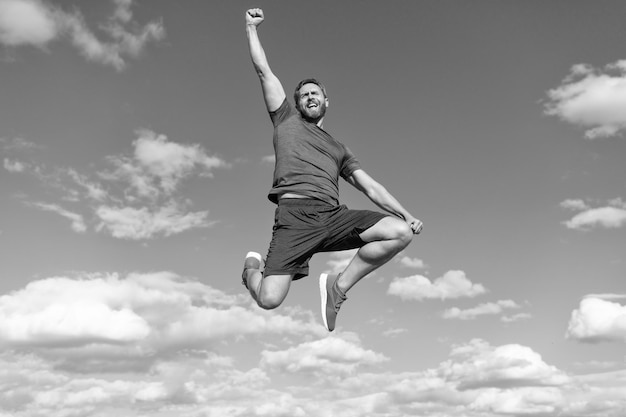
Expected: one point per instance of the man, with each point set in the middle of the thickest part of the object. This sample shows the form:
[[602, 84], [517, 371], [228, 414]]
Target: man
[[309, 218]]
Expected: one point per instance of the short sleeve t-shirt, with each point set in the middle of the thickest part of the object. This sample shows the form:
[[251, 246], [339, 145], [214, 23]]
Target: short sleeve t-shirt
[[309, 161]]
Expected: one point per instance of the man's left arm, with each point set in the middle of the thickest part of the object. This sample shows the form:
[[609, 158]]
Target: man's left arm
[[382, 198]]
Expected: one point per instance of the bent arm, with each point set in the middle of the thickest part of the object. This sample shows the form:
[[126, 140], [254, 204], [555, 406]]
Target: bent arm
[[382, 198], [273, 92]]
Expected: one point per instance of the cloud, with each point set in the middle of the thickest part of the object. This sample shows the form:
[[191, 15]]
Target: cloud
[[269, 159], [339, 260], [14, 166], [331, 355], [158, 165], [87, 366], [412, 262], [144, 223], [592, 98], [94, 190], [36, 23], [598, 319], [574, 204], [480, 310], [138, 197], [148, 312], [26, 22], [479, 365], [612, 216], [453, 284], [78, 223], [19, 144]]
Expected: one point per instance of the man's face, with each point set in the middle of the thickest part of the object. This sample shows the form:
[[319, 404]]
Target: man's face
[[312, 103]]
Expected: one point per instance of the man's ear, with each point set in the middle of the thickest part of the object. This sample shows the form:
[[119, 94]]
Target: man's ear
[[327, 101]]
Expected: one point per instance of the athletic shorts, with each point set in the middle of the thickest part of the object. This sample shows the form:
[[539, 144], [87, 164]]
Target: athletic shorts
[[304, 227]]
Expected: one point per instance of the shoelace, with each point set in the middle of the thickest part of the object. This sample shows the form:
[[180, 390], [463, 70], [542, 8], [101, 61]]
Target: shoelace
[[340, 298]]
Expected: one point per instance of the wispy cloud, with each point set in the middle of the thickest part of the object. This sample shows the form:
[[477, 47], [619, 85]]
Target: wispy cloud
[[611, 216], [145, 223], [598, 318], [453, 284], [19, 144], [592, 98], [78, 222], [138, 197], [37, 23], [480, 310]]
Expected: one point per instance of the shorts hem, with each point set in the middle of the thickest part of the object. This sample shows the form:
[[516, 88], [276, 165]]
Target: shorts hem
[[297, 273]]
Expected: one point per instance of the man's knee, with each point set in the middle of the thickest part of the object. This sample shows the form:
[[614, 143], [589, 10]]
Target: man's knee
[[274, 291], [269, 302], [401, 231]]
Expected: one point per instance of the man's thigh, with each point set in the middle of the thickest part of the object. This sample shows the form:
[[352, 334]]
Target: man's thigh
[[387, 228], [274, 288], [346, 228]]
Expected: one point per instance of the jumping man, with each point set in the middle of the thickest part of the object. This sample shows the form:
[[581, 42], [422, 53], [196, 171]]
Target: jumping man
[[309, 218]]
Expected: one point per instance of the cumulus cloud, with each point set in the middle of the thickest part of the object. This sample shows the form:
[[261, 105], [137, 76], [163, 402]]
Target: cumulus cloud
[[480, 365], [147, 311], [483, 309], [26, 22], [331, 355], [612, 216], [37, 23], [14, 166], [598, 318], [158, 165], [414, 263], [453, 284], [592, 98]]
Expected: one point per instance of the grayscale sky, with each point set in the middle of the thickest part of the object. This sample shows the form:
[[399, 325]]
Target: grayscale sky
[[136, 159]]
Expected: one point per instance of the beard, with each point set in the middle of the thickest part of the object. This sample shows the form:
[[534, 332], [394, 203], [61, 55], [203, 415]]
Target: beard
[[315, 113]]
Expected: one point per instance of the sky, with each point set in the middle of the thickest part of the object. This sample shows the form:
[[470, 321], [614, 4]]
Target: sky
[[136, 160]]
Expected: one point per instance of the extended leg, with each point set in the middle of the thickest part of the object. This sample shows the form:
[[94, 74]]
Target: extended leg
[[384, 240]]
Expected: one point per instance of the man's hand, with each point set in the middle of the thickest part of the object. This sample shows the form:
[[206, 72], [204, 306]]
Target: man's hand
[[254, 17], [416, 225]]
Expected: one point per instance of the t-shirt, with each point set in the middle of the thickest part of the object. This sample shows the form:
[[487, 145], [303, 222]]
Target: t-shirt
[[309, 161]]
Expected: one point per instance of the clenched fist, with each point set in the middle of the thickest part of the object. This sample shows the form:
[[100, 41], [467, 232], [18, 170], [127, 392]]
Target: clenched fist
[[254, 17]]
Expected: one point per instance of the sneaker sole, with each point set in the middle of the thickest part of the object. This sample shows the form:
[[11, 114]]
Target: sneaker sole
[[324, 298]]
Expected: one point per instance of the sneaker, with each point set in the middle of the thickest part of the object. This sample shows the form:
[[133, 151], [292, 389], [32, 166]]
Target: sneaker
[[331, 298], [253, 261]]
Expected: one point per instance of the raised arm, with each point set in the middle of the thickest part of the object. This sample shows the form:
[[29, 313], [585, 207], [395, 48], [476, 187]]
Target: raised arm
[[382, 198], [273, 91]]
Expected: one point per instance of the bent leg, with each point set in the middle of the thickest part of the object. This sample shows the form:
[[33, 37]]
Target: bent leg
[[384, 240], [268, 292]]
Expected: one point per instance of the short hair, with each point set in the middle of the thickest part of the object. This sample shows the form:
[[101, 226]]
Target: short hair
[[296, 94]]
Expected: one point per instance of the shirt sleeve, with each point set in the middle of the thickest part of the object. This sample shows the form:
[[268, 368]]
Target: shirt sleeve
[[349, 165], [282, 113]]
